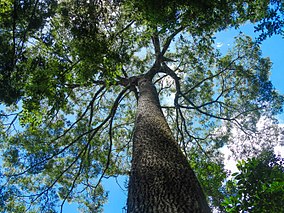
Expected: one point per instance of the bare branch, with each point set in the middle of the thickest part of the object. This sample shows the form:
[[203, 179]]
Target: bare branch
[[189, 135], [179, 93]]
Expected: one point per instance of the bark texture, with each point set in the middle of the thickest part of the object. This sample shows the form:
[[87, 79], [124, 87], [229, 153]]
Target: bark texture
[[161, 180]]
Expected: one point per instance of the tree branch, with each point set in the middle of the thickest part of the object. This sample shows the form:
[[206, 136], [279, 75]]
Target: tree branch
[[73, 185], [59, 176], [157, 46], [125, 28], [93, 131], [213, 76], [179, 93], [189, 135], [169, 40], [111, 117]]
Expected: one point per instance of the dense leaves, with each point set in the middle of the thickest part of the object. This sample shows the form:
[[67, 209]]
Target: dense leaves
[[200, 16], [68, 74], [258, 186], [19, 22]]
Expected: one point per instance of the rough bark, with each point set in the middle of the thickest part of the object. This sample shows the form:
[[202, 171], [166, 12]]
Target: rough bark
[[161, 180]]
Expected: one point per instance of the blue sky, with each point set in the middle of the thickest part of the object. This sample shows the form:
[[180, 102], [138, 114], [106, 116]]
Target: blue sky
[[272, 48], [117, 197]]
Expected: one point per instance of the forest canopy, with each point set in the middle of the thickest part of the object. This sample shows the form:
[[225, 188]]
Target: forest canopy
[[68, 91]]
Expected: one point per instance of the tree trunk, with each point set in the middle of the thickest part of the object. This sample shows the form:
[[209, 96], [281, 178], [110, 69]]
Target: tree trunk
[[161, 180]]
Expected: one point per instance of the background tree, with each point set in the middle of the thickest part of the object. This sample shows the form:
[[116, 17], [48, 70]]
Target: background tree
[[69, 75], [258, 186]]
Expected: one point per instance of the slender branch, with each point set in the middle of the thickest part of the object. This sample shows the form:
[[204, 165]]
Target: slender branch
[[125, 28], [28, 27], [160, 78], [124, 73], [83, 114], [62, 135], [179, 93], [14, 33], [213, 76], [96, 82], [54, 155], [7, 115], [12, 122], [157, 46], [189, 135], [111, 117], [73, 185], [59, 176], [169, 40]]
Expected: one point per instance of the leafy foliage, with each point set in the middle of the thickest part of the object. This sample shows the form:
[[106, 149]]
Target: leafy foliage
[[258, 186], [19, 22], [201, 16], [68, 74]]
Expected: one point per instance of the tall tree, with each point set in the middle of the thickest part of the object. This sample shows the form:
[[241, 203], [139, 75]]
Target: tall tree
[[72, 73], [161, 179]]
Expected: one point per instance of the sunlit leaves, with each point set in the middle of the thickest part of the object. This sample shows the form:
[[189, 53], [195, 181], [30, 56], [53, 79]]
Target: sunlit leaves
[[200, 16], [253, 72], [6, 7]]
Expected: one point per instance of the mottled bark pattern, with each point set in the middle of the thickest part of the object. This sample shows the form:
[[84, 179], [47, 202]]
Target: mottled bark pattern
[[161, 180]]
